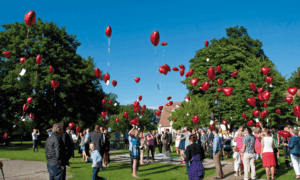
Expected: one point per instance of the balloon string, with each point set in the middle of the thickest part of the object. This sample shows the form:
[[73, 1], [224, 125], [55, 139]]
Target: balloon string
[[155, 51], [54, 92], [35, 77]]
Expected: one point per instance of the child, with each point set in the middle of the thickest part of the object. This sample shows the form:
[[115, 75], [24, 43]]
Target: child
[[236, 161], [82, 147], [96, 158]]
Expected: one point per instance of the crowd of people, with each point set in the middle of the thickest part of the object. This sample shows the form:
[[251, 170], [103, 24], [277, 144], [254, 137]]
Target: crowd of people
[[244, 145]]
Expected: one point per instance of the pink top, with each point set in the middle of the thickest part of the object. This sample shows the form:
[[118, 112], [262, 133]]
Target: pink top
[[257, 145], [149, 140], [239, 142]]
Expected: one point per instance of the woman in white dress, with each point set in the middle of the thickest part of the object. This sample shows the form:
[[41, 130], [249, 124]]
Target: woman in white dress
[[177, 141]]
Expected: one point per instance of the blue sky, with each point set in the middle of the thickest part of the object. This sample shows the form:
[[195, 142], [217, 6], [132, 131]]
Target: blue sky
[[185, 25]]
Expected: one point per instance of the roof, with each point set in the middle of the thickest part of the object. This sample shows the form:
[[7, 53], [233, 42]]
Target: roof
[[164, 119]]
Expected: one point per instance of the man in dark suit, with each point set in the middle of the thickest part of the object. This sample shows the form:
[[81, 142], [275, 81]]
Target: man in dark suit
[[165, 141], [210, 138], [68, 144], [96, 137], [159, 143], [169, 140]]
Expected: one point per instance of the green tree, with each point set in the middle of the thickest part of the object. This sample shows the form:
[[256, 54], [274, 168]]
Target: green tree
[[196, 106], [78, 97], [238, 52]]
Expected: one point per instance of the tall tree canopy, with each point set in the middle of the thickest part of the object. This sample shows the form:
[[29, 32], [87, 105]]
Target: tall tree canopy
[[78, 96], [239, 52]]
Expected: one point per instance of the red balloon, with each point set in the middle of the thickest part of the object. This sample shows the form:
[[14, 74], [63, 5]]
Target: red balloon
[[167, 67], [206, 43], [22, 60], [103, 101], [257, 124], [170, 103], [106, 77], [211, 73], [250, 123], [187, 74], [168, 98], [218, 68], [234, 74], [266, 95], [181, 72], [117, 120], [195, 119], [98, 73], [78, 129], [220, 82], [51, 69], [205, 86], [6, 54], [188, 98], [29, 100], [158, 113], [212, 127], [175, 119], [260, 90], [108, 31], [71, 125], [181, 66], [31, 115], [289, 99], [154, 38], [265, 70], [160, 108], [114, 83], [255, 113], [265, 111], [137, 79], [29, 18], [144, 107], [201, 88], [164, 43], [293, 90], [228, 91], [25, 107], [260, 97], [252, 102], [225, 122], [220, 89], [110, 102], [262, 115], [278, 111], [194, 81], [140, 98], [38, 59], [103, 114], [136, 104], [191, 72], [163, 70], [175, 69], [126, 115], [265, 104], [297, 111], [142, 112], [284, 134], [54, 84], [253, 86], [269, 79], [244, 115]]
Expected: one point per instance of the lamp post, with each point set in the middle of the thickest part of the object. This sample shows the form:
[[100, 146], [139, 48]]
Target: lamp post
[[218, 104]]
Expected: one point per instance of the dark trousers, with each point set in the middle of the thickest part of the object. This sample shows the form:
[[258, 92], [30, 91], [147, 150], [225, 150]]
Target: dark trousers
[[72, 150], [160, 147], [55, 172], [87, 149], [210, 149], [275, 156], [35, 145], [187, 165], [150, 148], [165, 147], [95, 173], [286, 152], [131, 163], [168, 147]]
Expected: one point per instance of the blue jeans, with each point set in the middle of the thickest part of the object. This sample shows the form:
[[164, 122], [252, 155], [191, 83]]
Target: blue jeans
[[187, 166], [55, 172], [95, 173]]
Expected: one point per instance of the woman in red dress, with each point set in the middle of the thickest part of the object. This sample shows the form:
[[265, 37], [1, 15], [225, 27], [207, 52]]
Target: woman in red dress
[[267, 146]]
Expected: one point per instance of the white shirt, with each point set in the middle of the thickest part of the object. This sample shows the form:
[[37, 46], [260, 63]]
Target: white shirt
[[237, 158], [268, 142], [74, 137], [50, 133], [226, 136], [34, 137]]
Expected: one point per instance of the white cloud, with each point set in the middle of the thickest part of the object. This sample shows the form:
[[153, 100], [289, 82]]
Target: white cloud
[[152, 107]]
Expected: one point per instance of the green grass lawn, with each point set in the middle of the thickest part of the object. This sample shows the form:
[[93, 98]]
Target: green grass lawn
[[81, 170]]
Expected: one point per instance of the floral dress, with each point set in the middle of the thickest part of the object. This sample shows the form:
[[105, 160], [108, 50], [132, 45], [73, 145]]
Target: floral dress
[[135, 153]]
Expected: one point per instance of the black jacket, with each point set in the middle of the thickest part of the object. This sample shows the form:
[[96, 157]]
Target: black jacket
[[55, 150], [67, 140], [97, 139], [194, 149], [170, 138], [210, 138]]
